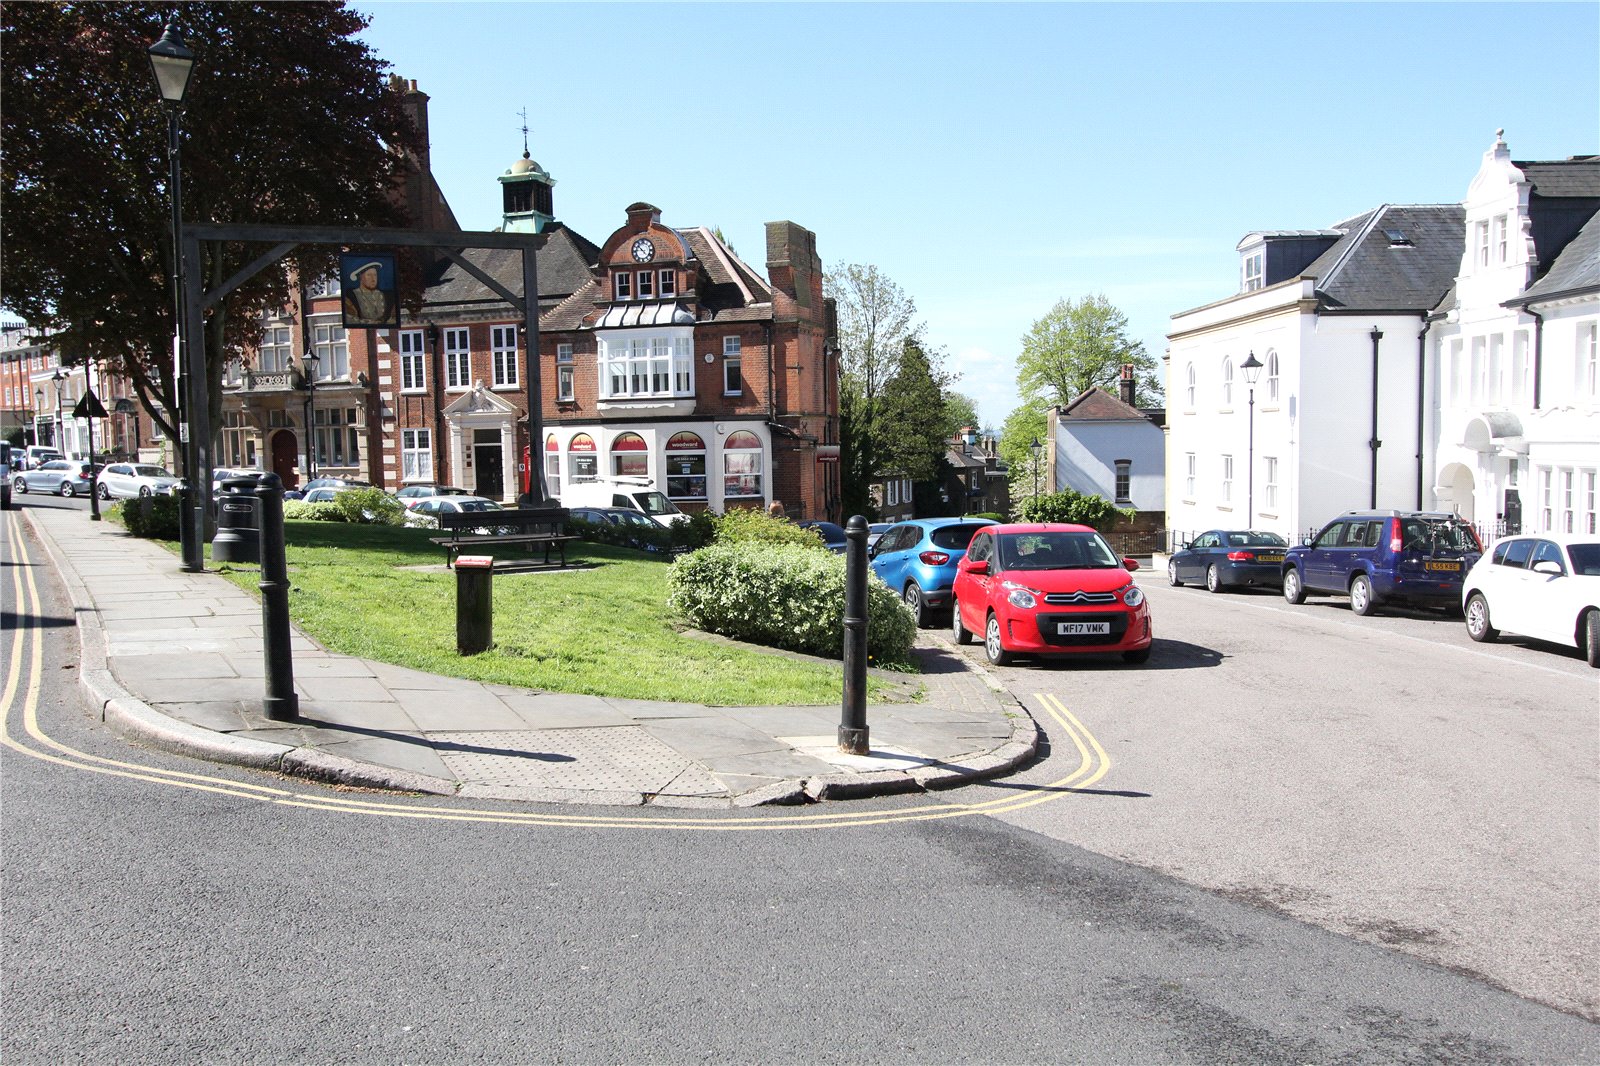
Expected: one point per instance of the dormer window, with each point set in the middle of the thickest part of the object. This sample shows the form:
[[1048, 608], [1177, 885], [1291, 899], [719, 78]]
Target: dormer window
[[624, 285], [1482, 233], [647, 284], [1251, 273], [669, 283], [1501, 246]]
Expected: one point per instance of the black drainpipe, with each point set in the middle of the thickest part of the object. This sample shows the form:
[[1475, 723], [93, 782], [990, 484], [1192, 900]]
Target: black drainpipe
[[1374, 443], [772, 381], [1422, 379], [1538, 353], [437, 387]]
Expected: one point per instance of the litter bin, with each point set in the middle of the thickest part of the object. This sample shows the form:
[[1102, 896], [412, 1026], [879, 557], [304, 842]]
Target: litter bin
[[238, 537]]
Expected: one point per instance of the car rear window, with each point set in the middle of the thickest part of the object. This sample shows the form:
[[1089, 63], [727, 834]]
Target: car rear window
[[954, 538], [1585, 559], [1437, 534]]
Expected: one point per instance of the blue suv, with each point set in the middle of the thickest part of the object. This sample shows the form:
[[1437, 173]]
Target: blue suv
[[918, 560], [1377, 557]]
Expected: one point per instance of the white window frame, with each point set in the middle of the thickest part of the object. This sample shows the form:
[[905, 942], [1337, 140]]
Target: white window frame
[[1589, 478], [1122, 487], [1589, 363], [1481, 230], [623, 281], [1227, 479], [1227, 382], [416, 454], [552, 468], [702, 478], [503, 351], [633, 365], [669, 283], [337, 429], [1502, 237], [758, 474], [1269, 494], [277, 349], [413, 361], [565, 374], [1546, 498], [647, 285], [732, 366], [1273, 381], [1189, 476], [332, 349], [1568, 499], [1252, 274], [457, 358], [1189, 388]]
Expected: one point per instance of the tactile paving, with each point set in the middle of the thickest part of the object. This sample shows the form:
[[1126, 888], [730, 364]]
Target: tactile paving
[[615, 758]]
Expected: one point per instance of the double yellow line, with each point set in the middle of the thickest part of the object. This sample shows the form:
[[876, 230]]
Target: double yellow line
[[24, 673]]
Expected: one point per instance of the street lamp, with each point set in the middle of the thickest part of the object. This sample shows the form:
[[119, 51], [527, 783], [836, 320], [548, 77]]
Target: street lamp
[[61, 437], [308, 363], [172, 62], [125, 406], [1035, 448], [1252, 370]]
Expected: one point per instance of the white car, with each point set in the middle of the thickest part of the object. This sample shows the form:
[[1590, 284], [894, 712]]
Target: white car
[[426, 511], [1545, 586], [135, 479]]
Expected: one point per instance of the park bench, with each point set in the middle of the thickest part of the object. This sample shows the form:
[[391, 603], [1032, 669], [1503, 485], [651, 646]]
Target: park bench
[[534, 527]]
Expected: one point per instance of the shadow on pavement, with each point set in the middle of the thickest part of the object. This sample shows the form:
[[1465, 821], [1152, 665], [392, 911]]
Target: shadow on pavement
[[436, 745]]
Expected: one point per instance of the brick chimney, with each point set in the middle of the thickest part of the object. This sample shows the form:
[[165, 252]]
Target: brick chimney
[[1125, 386]]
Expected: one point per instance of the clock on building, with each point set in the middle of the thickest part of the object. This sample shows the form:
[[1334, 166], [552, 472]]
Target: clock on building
[[643, 250]]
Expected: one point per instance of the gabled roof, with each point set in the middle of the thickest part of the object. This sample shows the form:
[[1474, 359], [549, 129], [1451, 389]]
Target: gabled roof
[[1367, 271], [1098, 405], [1576, 269], [724, 267]]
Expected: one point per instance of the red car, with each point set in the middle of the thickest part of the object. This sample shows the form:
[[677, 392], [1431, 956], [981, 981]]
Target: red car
[[1049, 590]]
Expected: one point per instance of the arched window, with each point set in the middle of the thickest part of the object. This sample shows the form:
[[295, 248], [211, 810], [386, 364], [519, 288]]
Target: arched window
[[630, 456], [552, 465], [1227, 381], [741, 465], [1272, 377], [686, 466], [583, 463], [1188, 391]]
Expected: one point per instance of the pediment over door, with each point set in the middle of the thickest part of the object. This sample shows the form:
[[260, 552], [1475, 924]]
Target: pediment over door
[[479, 401]]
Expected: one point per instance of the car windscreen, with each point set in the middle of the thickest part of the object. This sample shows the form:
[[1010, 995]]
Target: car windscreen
[[1585, 559], [150, 471], [954, 538], [654, 503], [479, 505], [1056, 551]]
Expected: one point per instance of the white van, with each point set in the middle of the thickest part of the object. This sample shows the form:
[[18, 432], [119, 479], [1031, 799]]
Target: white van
[[633, 493]]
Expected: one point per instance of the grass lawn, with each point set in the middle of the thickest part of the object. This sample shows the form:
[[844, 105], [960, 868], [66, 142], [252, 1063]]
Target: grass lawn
[[604, 630]]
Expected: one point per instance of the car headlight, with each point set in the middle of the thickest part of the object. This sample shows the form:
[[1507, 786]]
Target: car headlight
[[1021, 596], [1134, 596]]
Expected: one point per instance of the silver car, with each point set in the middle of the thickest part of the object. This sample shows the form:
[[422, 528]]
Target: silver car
[[135, 479], [64, 477]]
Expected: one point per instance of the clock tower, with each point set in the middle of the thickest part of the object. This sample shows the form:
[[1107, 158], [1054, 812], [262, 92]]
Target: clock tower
[[526, 189]]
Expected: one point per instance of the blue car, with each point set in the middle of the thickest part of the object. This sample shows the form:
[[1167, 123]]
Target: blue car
[[1219, 558], [918, 560]]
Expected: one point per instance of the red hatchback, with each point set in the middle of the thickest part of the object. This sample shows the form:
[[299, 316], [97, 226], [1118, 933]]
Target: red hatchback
[[1049, 590]]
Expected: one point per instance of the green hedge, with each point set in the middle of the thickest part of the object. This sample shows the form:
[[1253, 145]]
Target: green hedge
[[372, 507], [744, 525], [1070, 506], [785, 596], [152, 517]]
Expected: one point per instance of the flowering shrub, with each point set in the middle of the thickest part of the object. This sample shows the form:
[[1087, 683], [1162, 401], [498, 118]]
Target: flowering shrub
[[785, 596]]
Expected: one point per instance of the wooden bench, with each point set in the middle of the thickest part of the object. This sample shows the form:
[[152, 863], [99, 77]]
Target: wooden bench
[[534, 527]]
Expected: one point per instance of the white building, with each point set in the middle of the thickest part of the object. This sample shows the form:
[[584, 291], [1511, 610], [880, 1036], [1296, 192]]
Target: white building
[[1403, 362], [1101, 445]]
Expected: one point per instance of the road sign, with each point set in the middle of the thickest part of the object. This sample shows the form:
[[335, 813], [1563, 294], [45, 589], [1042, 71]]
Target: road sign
[[90, 407]]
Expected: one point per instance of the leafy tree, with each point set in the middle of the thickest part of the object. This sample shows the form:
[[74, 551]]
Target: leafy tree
[[289, 120], [960, 410], [1080, 345], [910, 433], [1023, 426]]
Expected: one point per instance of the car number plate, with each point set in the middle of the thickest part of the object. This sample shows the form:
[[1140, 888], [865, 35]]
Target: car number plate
[[1442, 566], [1269, 558], [1082, 629]]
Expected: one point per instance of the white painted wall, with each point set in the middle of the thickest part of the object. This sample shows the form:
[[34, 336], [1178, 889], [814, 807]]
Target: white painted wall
[[1087, 454]]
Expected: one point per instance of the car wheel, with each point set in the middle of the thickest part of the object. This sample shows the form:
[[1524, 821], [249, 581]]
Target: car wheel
[[962, 634], [1478, 627], [1362, 601], [1591, 638], [1172, 574], [20, 485], [105, 493], [993, 650], [67, 489], [1293, 590], [144, 490], [918, 607], [1213, 578], [1136, 657]]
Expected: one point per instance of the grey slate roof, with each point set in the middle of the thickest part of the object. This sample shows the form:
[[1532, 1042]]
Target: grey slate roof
[[1576, 268], [1365, 271], [1578, 176], [565, 264]]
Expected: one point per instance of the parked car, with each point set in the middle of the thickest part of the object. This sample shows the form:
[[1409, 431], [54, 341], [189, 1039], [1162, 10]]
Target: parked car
[[5, 475], [427, 510], [1055, 590], [135, 479], [219, 475], [876, 530], [1224, 557], [918, 559], [36, 455], [832, 533], [304, 491], [1546, 587], [634, 493], [625, 517], [1378, 557], [64, 477], [412, 493]]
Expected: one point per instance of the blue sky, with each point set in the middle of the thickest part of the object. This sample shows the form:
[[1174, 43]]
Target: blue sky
[[995, 158]]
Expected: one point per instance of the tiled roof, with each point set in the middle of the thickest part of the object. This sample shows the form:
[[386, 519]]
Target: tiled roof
[[565, 264], [1098, 405], [1366, 270], [570, 313], [1577, 267], [1577, 177]]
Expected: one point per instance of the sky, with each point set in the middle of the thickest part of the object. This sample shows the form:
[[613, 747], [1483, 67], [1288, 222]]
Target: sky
[[994, 159]]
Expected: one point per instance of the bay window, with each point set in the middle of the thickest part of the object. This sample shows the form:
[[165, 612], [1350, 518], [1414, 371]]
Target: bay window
[[646, 366]]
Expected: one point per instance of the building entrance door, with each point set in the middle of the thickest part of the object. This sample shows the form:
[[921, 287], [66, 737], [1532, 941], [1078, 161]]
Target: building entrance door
[[489, 463], [286, 458]]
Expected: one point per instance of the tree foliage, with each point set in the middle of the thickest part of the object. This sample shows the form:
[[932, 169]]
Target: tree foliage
[[288, 120], [1079, 345], [910, 428], [1023, 426]]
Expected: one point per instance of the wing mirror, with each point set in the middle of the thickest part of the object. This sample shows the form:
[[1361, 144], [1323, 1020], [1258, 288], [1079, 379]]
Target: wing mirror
[[1548, 566], [974, 566], [1130, 564]]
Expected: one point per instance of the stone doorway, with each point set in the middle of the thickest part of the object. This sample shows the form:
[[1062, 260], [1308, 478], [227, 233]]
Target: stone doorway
[[286, 458], [488, 461]]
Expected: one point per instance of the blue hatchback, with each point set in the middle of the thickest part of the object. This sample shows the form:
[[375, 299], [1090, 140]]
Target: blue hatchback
[[918, 560]]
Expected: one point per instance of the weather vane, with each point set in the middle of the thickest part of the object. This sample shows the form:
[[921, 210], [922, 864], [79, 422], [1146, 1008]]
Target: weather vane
[[524, 114]]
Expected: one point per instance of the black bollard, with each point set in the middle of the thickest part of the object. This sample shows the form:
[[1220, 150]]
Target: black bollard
[[280, 704], [474, 603], [853, 720]]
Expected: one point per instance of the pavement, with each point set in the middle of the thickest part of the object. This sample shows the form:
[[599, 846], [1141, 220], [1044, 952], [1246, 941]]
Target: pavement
[[174, 660]]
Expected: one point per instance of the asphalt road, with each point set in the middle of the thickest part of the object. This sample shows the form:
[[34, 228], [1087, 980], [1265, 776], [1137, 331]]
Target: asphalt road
[[163, 910]]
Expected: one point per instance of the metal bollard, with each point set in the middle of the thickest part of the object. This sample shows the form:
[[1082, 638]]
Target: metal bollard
[[280, 704], [853, 719], [238, 536], [474, 603]]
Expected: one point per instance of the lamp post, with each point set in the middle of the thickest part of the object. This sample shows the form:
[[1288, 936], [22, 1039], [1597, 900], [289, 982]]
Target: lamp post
[[309, 363], [1252, 370], [61, 437], [172, 62], [1034, 448], [38, 412]]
